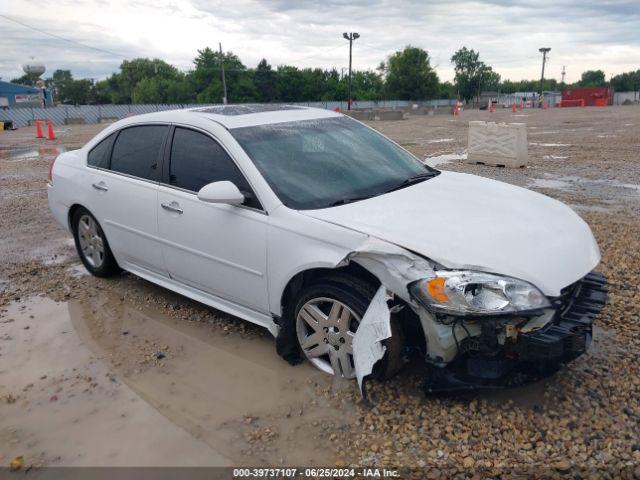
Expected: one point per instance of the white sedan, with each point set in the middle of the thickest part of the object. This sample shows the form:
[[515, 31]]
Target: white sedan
[[342, 244]]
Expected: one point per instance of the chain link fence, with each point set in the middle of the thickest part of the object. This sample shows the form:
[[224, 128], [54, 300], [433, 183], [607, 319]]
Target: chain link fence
[[68, 114]]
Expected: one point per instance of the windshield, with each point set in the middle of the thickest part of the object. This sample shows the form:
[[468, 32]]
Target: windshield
[[321, 163]]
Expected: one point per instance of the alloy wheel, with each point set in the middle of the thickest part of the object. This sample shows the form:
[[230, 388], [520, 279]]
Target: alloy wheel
[[91, 242], [325, 329]]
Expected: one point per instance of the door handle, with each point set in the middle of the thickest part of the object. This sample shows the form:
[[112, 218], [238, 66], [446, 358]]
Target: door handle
[[100, 186], [172, 207]]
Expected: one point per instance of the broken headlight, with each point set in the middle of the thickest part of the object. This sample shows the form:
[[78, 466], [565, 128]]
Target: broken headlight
[[465, 292]]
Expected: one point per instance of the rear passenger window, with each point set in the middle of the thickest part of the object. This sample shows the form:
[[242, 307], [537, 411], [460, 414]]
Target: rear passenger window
[[137, 151], [99, 155], [197, 159]]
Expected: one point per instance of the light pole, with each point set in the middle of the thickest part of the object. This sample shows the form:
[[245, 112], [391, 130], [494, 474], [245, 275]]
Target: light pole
[[224, 82], [351, 37], [544, 52]]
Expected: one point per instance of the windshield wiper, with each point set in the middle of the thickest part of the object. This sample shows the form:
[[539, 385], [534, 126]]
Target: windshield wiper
[[344, 201], [417, 178], [413, 179]]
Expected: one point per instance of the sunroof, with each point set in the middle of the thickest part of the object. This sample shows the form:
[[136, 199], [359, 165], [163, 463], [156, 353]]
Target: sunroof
[[230, 110]]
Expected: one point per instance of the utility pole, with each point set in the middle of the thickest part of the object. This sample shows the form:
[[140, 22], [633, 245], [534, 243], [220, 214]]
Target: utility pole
[[564, 72], [351, 37], [544, 52], [224, 83]]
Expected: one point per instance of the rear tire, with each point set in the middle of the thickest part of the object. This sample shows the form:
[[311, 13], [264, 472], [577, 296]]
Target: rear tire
[[92, 245]]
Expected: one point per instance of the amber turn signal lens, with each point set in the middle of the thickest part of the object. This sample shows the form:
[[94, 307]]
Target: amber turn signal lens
[[435, 287]]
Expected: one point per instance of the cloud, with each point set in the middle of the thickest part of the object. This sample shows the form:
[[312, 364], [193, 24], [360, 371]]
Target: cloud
[[582, 34]]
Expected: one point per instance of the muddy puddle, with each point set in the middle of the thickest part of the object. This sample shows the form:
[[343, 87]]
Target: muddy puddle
[[30, 153], [63, 406], [188, 393], [600, 188], [435, 160]]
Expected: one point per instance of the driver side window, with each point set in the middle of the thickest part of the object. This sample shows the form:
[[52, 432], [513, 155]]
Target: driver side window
[[197, 159]]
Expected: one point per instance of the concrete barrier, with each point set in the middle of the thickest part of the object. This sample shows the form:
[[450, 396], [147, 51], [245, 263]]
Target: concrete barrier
[[360, 114], [497, 144], [75, 121], [391, 115]]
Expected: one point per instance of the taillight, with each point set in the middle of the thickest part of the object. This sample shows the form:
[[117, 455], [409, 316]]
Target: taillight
[[50, 178]]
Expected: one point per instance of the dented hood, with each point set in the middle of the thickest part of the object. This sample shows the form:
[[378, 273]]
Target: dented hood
[[467, 221]]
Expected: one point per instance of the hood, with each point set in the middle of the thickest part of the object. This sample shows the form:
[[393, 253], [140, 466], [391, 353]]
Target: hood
[[466, 221]]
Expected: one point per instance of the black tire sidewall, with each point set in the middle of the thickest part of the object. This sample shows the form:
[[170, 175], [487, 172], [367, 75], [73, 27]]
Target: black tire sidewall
[[109, 265], [357, 295], [354, 300]]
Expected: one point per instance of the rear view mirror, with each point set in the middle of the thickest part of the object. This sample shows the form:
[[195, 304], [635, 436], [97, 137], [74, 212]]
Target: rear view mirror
[[221, 192]]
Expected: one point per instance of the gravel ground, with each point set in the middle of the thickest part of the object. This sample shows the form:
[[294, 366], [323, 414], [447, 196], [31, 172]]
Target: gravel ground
[[582, 421]]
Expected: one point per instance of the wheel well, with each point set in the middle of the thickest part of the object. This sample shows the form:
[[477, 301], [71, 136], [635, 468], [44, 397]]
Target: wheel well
[[72, 211], [310, 276]]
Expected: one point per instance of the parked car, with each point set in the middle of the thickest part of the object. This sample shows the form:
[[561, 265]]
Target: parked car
[[311, 224]]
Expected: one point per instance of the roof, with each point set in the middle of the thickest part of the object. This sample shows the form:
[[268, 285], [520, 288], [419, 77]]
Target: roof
[[232, 116], [247, 108], [237, 116], [8, 87]]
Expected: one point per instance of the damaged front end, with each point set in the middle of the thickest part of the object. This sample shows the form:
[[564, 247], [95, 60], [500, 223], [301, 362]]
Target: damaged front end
[[493, 351], [474, 329]]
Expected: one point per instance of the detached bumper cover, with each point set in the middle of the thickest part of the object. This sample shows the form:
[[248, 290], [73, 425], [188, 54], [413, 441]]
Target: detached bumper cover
[[534, 355]]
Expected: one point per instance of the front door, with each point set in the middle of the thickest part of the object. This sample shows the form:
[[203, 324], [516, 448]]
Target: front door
[[216, 248]]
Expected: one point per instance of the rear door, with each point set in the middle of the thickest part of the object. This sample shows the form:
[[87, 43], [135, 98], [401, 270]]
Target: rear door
[[216, 248], [125, 170]]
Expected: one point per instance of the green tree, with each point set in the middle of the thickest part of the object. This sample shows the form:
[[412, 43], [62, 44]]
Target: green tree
[[335, 87], [26, 79], [59, 77], [77, 92], [367, 85], [265, 81], [509, 86], [122, 87], [626, 82], [410, 76], [489, 80], [290, 82], [446, 90], [245, 91], [592, 78], [101, 92], [69, 90], [472, 74], [206, 76]]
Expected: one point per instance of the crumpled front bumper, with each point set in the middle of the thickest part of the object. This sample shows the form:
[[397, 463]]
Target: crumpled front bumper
[[532, 355]]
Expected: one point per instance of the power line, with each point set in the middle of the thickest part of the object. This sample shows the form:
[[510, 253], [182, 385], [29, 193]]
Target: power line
[[62, 38]]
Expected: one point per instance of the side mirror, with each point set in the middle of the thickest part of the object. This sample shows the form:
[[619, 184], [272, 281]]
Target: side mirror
[[221, 192]]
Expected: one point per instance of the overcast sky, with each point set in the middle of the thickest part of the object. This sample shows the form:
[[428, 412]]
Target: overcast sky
[[583, 34]]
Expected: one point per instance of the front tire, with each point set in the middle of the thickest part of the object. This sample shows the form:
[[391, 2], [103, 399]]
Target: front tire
[[91, 244], [325, 317]]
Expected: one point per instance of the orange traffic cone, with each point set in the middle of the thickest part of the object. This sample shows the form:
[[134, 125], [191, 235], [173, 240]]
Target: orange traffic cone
[[50, 133], [39, 130], [336, 109], [521, 105], [490, 106], [513, 108], [456, 109], [544, 104]]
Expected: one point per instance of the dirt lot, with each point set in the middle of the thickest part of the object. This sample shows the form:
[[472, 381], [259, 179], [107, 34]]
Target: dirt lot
[[90, 368]]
